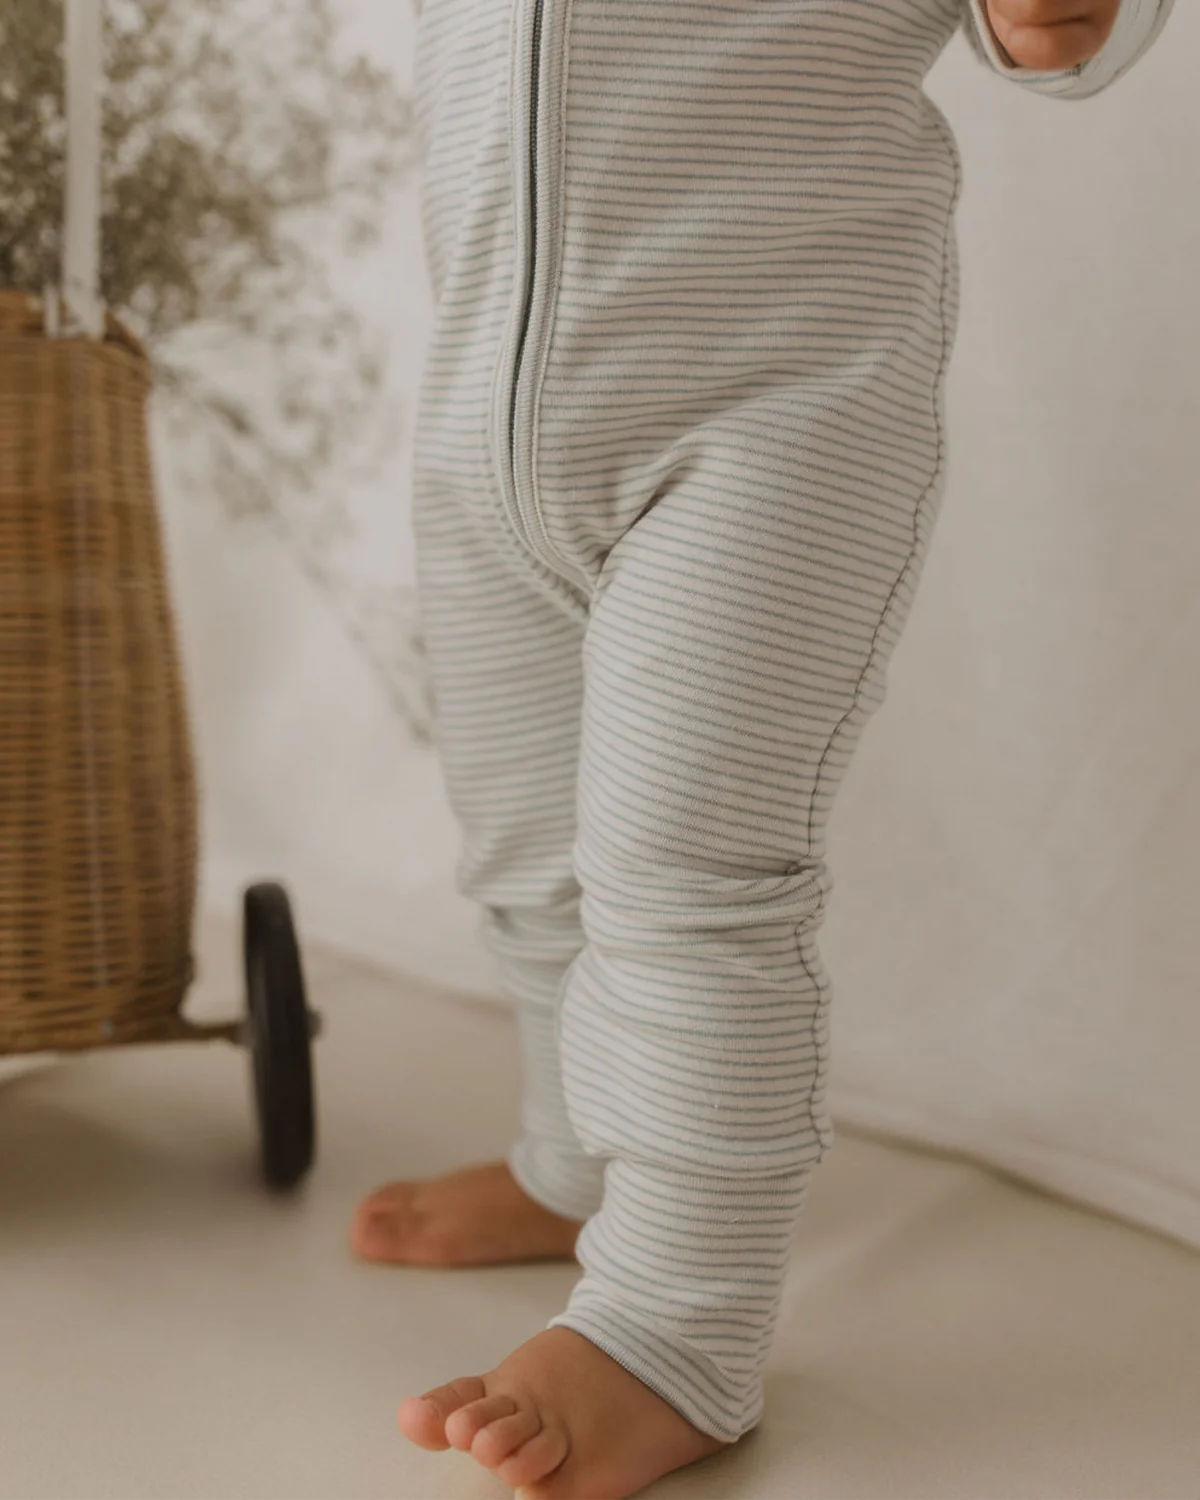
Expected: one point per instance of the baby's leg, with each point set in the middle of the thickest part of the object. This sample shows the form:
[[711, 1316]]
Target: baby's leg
[[734, 653], [733, 309], [734, 650], [507, 678]]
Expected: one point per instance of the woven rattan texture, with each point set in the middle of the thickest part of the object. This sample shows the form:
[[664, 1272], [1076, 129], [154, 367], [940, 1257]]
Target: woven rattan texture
[[97, 790]]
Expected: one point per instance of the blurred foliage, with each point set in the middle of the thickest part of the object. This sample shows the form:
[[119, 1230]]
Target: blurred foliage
[[245, 158]]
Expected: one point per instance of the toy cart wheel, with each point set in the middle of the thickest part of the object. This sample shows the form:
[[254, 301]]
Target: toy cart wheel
[[279, 1033]]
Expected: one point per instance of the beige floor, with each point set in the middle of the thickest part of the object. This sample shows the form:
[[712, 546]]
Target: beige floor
[[169, 1331]]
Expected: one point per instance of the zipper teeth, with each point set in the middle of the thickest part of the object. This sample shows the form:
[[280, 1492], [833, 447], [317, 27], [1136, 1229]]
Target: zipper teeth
[[530, 265]]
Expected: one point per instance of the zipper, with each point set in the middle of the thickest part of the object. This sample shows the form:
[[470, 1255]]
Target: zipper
[[531, 265], [531, 338]]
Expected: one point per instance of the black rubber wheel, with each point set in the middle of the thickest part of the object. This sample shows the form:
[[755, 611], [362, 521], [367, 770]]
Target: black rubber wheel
[[280, 1036]]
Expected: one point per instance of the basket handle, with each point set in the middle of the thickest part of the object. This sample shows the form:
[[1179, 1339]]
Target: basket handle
[[83, 309]]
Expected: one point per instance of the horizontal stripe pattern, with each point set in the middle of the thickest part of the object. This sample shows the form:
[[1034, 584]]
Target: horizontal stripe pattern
[[670, 514]]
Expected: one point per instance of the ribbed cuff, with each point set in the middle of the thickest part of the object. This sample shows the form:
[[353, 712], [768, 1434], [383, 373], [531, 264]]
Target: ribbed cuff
[[1137, 25], [689, 1382]]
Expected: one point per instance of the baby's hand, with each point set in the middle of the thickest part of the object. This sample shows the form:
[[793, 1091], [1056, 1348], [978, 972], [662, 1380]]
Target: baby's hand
[[1050, 34]]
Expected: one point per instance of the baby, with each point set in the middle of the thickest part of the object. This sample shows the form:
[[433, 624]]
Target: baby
[[680, 449]]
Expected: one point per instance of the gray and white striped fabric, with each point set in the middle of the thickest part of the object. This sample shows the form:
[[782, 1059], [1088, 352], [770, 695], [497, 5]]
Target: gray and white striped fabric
[[680, 451]]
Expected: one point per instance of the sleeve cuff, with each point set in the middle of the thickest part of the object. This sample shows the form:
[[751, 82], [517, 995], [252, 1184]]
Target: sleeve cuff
[[1137, 25]]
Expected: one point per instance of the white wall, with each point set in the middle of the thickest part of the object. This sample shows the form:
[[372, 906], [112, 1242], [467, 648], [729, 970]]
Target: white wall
[[1013, 935]]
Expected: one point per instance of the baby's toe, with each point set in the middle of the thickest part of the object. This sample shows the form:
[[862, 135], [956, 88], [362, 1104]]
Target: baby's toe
[[423, 1418], [463, 1424], [494, 1444], [380, 1222], [536, 1459]]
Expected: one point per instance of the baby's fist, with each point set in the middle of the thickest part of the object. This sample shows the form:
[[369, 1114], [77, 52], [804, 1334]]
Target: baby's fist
[[1051, 34]]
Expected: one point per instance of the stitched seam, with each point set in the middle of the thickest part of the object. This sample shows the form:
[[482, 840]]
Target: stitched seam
[[918, 512], [822, 1054]]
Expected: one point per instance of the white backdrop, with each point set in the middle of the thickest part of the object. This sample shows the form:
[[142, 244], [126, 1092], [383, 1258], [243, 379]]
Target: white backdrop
[[1013, 933]]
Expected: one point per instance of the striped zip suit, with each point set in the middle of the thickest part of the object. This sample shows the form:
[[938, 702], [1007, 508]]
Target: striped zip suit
[[679, 453]]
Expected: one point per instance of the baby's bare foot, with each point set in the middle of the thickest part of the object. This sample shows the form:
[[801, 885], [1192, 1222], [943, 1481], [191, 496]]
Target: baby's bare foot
[[476, 1217], [559, 1420]]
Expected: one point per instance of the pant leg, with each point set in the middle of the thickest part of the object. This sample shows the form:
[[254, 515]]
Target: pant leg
[[507, 682], [503, 635], [750, 241], [735, 649]]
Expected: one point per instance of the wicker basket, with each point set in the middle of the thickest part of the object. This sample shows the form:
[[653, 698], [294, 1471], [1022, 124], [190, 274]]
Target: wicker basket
[[97, 790]]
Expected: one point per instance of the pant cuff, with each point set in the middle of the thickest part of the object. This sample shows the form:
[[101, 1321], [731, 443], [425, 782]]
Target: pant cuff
[[682, 1376]]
